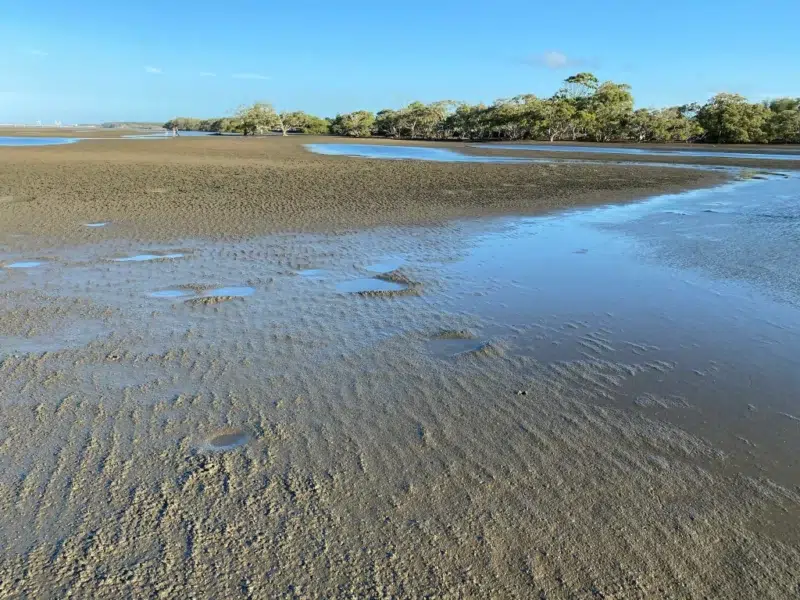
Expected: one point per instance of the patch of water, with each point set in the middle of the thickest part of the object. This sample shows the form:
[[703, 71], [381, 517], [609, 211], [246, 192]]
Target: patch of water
[[35, 141], [447, 348], [102, 224], [639, 151], [717, 315], [313, 273], [24, 265], [234, 291], [146, 257], [405, 153], [166, 134], [386, 266], [170, 294], [445, 155], [367, 284], [227, 439]]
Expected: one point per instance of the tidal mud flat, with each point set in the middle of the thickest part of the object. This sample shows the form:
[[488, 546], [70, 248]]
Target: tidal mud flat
[[221, 187], [568, 405]]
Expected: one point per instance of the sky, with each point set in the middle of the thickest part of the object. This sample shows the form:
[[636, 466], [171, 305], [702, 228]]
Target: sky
[[92, 61]]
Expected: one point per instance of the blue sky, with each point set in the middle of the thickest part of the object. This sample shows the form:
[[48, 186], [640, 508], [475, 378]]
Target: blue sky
[[92, 61]]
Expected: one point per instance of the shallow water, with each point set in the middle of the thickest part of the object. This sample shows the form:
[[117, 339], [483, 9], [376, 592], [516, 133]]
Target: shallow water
[[386, 265], [23, 265], [316, 274], [643, 151], [166, 134], [234, 291], [35, 141], [57, 141], [423, 153], [405, 153], [170, 294], [227, 440], [447, 348]]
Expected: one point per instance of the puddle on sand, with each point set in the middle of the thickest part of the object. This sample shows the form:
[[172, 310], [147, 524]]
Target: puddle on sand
[[484, 349], [386, 266], [406, 153], [170, 294], [235, 291], [450, 347], [103, 224], [24, 265], [35, 141], [219, 295], [313, 273], [146, 257], [226, 439], [355, 286]]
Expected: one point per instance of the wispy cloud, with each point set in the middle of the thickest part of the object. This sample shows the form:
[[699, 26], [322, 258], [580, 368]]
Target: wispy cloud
[[207, 74], [153, 70], [555, 60], [248, 76]]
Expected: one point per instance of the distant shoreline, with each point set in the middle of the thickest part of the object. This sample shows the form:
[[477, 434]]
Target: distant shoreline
[[772, 148]]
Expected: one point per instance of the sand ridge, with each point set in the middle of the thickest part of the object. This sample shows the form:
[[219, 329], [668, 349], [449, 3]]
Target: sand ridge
[[337, 494], [220, 187]]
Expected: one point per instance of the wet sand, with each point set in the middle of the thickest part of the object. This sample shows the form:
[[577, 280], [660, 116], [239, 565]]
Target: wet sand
[[221, 187], [303, 442]]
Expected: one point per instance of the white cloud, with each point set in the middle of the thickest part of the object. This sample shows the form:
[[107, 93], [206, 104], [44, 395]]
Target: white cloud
[[207, 74], [153, 70], [554, 60], [248, 76]]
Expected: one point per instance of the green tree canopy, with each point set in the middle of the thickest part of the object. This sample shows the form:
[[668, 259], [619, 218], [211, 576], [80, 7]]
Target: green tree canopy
[[354, 124], [731, 119], [583, 108], [258, 118]]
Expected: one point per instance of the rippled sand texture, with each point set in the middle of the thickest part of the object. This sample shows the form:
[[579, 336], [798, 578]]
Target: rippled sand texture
[[262, 448], [219, 186], [411, 479], [297, 441]]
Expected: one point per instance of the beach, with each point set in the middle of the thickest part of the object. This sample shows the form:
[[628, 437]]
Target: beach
[[229, 186], [232, 368]]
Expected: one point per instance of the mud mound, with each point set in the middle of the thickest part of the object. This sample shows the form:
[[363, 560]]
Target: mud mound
[[454, 334]]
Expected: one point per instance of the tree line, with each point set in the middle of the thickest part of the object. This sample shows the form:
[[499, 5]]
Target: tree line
[[259, 118], [583, 109]]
